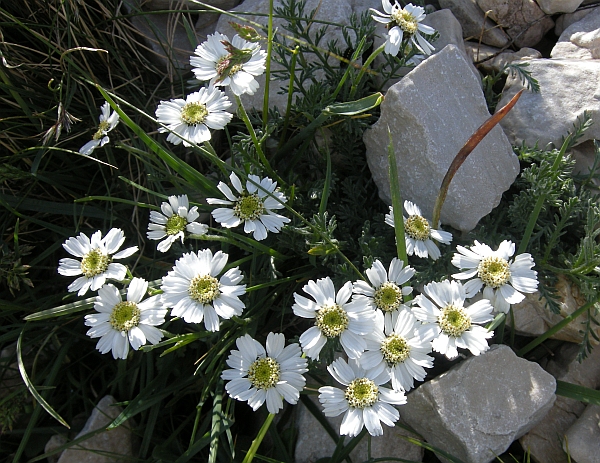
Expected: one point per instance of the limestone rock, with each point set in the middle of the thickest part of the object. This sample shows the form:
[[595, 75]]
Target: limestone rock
[[568, 88], [476, 409], [565, 20], [153, 5], [484, 55], [545, 440], [429, 125], [475, 24], [581, 40], [522, 20], [56, 441], [558, 6], [333, 11], [585, 155], [117, 441], [584, 436], [532, 318], [360, 6], [314, 443]]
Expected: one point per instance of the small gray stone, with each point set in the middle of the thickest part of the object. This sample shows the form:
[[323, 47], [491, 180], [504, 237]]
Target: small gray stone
[[474, 23], [117, 441], [558, 6], [581, 40], [568, 88], [523, 20], [476, 409], [480, 54], [545, 440], [429, 125], [56, 441], [565, 20], [314, 443], [360, 6], [583, 437], [532, 318]]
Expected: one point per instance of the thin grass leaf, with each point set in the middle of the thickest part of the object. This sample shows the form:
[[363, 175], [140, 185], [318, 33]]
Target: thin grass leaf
[[581, 393]]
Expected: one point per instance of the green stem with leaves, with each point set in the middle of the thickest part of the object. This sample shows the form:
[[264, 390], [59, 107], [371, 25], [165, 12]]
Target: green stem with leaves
[[259, 438]]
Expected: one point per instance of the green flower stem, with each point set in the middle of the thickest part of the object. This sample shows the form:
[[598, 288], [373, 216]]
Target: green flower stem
[[286, 120], [541, 200], [396, 203], [259, 438], [261, 155], [363, 69], [467, 149], [354, 57], [559, 326], [265, 113]]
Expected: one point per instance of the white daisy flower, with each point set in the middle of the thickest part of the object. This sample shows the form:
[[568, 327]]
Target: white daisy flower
[[119, 323], [363, 399], [97, 255], [449, 323], [418, 233], [189, 120], [404, 23], [504, 282], [335, 318], [385, 292], [257, 376], [195, 294], [176, 218], [253, 206], [234, 64], [398, 350], [108, 122]]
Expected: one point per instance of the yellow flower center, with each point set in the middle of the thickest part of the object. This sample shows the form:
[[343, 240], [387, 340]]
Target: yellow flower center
[[332, 320], [94, 263], [194, 113], [249, 207], [361, 393], [454, 321], [388, 297], [103, 127], [175, 224], [395, 349], [264, 373], [125, 316], [494, 271], [405, 21], [417, 227], [204, 289]]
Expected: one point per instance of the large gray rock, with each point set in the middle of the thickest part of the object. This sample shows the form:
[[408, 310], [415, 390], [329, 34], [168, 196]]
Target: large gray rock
[[583, 437], [523, 20], [565, 20], [545, 440], [581, 40], [492, 59], [532, 318], [568, 88], [97, 448], [558, 6], [429, 125], [314, 443], [475, 410], [337, 12], [474, 23]]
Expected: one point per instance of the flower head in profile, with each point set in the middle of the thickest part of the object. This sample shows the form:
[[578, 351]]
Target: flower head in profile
[[335, 318], [449, 323], [503, 280], [119, 323], [418, 233], [234, 64], [96, 264], [404, 23], [253, 206], [363, 399], [195, 294], [398, 350], [188, 121], [176, 219], [385, 291], [108, 121], [257, 376]]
